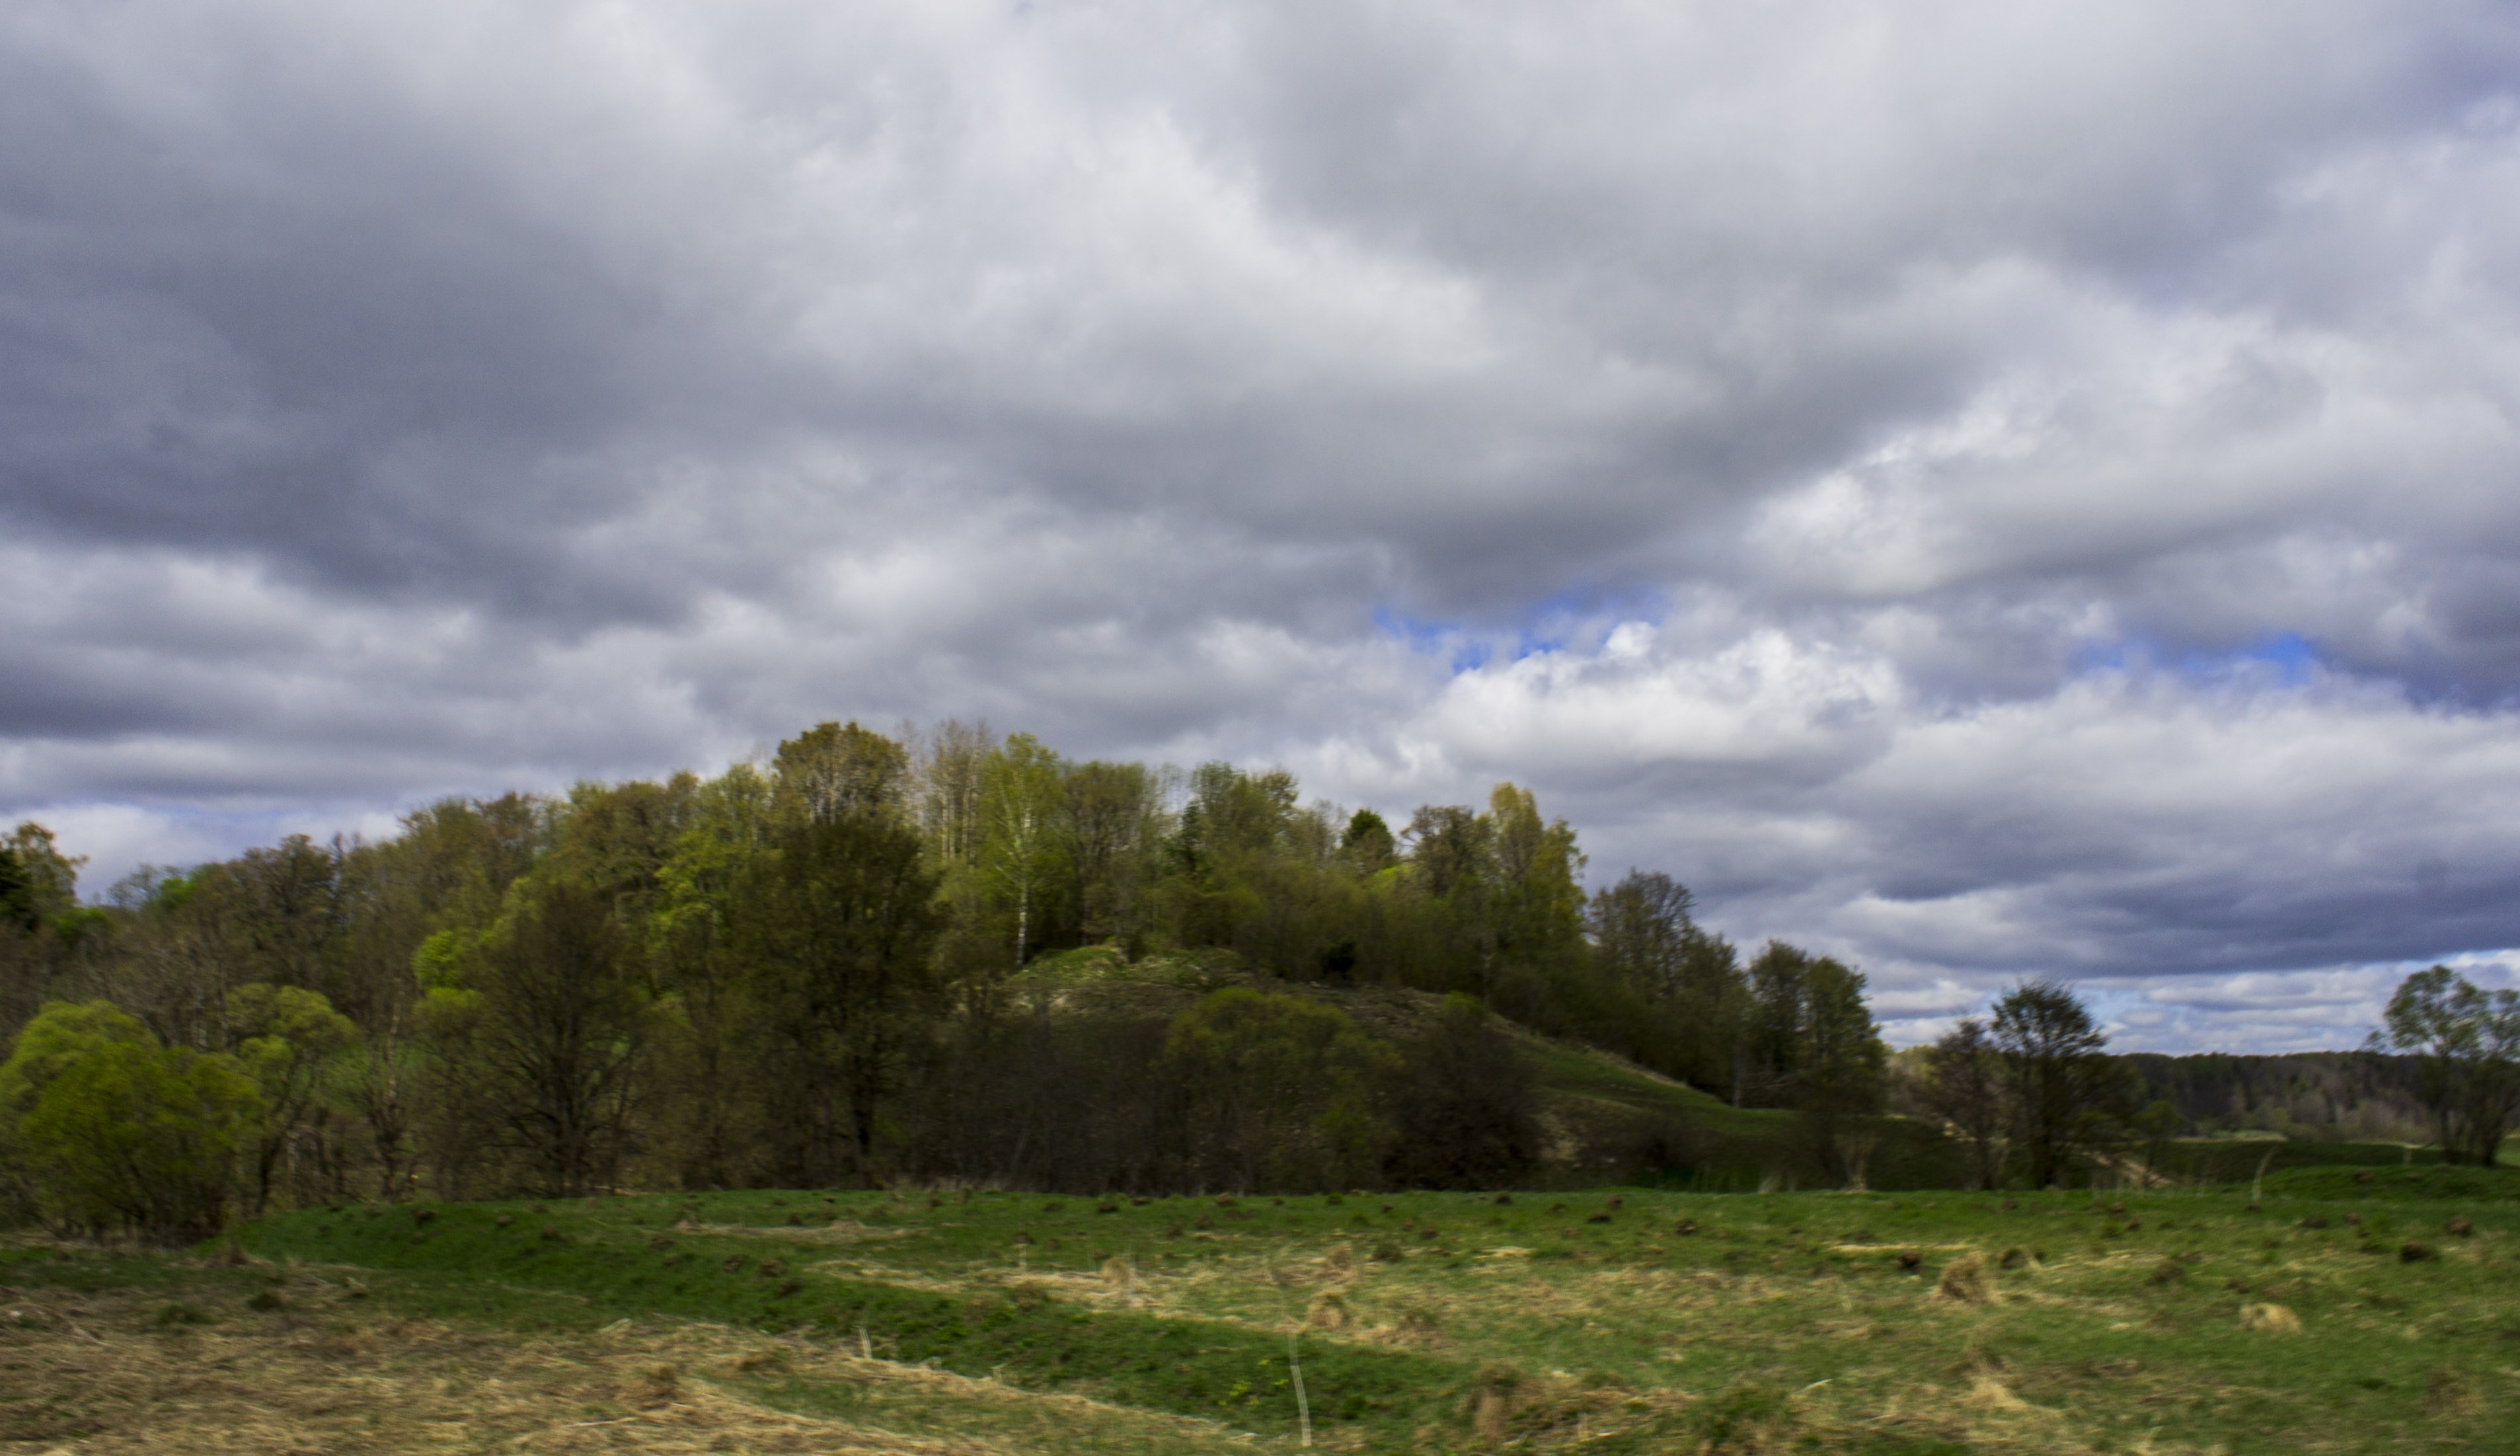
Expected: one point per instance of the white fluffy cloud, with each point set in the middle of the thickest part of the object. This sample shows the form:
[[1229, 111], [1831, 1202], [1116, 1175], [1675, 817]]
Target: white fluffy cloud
[[1983, 490]]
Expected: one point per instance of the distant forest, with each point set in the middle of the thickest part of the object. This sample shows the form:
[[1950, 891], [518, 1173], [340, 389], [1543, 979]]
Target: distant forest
[[811, 972]]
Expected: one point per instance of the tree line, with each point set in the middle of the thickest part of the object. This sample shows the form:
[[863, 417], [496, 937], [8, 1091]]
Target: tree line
[[2032, 1095], [810, 970]]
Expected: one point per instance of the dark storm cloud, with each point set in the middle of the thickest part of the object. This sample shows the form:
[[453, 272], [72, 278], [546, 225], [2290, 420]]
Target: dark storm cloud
[[1856, 460]]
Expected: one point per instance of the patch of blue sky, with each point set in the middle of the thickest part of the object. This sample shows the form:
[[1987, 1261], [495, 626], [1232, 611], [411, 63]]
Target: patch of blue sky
[[2294, 658], [1563, 619], [1435, 639]]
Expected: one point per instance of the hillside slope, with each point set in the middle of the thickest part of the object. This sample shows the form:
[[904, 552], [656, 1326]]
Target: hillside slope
[[1607, 1118]]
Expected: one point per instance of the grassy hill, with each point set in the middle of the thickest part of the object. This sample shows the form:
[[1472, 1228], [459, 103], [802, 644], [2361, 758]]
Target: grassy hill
[[1607, 1120]]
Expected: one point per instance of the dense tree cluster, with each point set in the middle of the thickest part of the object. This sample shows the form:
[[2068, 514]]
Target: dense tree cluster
[[813, 971], [2029, 1090]]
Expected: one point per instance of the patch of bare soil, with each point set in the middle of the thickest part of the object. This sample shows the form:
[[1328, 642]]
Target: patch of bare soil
[[111, 1373]]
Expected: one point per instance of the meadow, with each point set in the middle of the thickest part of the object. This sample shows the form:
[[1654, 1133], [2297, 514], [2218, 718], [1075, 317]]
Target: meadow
[[2345, 1310]]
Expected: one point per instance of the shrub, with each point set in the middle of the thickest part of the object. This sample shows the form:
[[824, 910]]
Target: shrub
[[119, 1131]]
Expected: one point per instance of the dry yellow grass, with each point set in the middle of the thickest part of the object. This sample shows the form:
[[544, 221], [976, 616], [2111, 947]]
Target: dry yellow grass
[[99, 1375], [1966, 1280]]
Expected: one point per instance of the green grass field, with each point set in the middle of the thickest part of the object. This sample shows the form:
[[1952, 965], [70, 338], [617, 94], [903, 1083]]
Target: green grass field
[[2352, 1310]]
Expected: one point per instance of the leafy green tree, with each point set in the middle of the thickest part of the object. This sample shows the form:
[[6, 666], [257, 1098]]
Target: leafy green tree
[[286, 1038], [17, 895], [1540, 900], [41, 928], [1843, 1064], [1023, 859], [838, 771], [1366, 845], [1112, 817], [49, 877], [272, 915], [615, 838], [1283, 1092], [119, 1131], [2058, 1082], [1222, 858], [1815, 1047], [711, 1112], [54, 1041], [1964, 1086], [546, 1015], [413, 907], [836, 925], [1642, 931], [2466, 1041]]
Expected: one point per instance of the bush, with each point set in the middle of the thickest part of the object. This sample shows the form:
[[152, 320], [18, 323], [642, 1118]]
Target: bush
[[117, 1131], [1467, 1107]]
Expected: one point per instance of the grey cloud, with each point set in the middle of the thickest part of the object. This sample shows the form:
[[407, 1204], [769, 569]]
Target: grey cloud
[[1823, 406]]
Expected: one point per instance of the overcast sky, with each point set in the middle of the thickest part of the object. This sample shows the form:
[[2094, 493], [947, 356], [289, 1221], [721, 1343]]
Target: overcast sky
[[1983, 490]]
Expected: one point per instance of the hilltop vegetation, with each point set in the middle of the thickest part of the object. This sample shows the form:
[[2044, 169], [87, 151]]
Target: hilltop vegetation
[[954, 960], [948, 959]]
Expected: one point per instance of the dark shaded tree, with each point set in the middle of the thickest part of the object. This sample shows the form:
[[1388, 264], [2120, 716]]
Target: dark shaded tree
[[2059, 1084], [551, 1022], [1465, 1107], [834, 925], [1964, 1087]]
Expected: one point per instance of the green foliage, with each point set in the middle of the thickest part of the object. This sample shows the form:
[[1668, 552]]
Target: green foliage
[[1467, 1112], [43, 882], [1285, 1092], [120, 1133], [546, 1035], [286, 1037], [871, 959], [1024, 863], [834, 928], [17, 895], [2467, 1041], [2065, 1096]]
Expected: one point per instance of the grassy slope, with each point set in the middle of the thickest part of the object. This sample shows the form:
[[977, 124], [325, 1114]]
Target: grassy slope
[[1587, 1095], [1790, 1313]]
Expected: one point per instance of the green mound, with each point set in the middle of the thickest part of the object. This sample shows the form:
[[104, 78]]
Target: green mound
[[2435, 1183], [1609, 1119], [2237, 1160]]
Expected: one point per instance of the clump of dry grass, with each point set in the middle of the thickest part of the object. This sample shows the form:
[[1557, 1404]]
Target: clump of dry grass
[[1416, 1323], [1966, 1280], [1988, 1393], [1328, 1311], [2270, 1319], [1492, 1395]]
